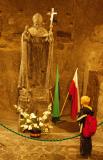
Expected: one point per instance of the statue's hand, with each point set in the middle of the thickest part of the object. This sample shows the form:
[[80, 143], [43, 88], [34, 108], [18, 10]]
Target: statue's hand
[[26, 34]]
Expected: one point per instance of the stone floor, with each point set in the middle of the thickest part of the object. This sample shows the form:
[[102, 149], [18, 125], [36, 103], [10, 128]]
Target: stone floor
[[15, 147]]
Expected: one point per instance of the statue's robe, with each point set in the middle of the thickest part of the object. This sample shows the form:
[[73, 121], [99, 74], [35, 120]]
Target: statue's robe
[[34, 58]]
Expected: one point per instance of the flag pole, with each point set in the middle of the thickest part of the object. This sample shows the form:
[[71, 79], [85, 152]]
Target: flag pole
[[51, 95], [64, 104]]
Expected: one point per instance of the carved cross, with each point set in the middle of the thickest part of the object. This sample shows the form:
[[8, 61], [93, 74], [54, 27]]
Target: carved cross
[[52, 13]]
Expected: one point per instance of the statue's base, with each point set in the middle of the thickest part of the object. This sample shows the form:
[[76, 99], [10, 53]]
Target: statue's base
[[34, 100], [40, 99], [40, 94]]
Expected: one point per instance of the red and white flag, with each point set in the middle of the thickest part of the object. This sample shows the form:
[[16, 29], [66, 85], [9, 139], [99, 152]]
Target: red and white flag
[[74, 92]]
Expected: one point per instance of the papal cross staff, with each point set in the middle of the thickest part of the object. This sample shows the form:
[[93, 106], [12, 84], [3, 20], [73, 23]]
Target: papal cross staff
[[49, 75], [52, 13]]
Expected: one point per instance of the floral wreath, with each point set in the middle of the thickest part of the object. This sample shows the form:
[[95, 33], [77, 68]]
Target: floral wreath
[[32, 122]]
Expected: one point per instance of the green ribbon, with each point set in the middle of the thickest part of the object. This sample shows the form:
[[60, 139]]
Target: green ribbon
[[44, 140]]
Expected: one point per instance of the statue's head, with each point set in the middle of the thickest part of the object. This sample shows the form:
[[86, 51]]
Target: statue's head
[[37, 19]]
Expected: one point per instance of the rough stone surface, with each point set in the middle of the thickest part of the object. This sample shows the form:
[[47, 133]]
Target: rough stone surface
[[13, 146]]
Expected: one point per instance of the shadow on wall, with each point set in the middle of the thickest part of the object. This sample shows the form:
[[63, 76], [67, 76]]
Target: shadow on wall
[[93, 89]]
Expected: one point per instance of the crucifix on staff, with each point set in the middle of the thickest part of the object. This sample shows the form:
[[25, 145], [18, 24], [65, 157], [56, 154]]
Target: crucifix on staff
[[52, 13], [49, 75]]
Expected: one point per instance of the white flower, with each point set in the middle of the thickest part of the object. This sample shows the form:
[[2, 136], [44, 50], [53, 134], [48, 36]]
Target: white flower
[[19, 107], [41, 124], [21, 120], [32, 115], [46, 112], [30, 127], [40, 118], [24, 126], [21, 110], [44, 117], [22, 113], [32, 121], [50, 106], [25, 115], [49, 112], [35, 125], [37, 119], [28, 121]]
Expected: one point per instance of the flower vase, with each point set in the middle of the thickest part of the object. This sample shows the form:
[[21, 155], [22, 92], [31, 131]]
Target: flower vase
[[35, 133]]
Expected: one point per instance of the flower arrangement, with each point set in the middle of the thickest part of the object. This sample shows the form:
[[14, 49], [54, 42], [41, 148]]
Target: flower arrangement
[[32, 122]]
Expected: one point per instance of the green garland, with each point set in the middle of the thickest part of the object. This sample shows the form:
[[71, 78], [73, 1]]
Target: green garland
[[44, 140]]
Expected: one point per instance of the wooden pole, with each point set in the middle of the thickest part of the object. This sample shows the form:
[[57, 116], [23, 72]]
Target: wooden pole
[[64, 104], [51, 96]]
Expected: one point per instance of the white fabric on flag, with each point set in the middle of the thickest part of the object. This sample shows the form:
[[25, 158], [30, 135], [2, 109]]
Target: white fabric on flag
[[74, 92]]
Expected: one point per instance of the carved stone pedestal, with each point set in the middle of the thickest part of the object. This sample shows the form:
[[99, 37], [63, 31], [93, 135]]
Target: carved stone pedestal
[[24, 99], [34, 100], [40, 99]]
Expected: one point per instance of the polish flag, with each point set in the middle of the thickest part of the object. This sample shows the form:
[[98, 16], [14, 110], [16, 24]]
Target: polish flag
[[74, 93]]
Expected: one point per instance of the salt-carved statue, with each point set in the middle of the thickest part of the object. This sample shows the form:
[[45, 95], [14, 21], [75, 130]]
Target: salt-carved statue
[[36, 68], [36, 48]]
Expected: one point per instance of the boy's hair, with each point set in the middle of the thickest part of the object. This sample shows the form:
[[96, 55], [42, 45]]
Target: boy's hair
[[85, 100]]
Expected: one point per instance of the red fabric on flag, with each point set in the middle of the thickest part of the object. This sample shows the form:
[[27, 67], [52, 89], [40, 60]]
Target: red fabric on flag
[[74, 92]]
